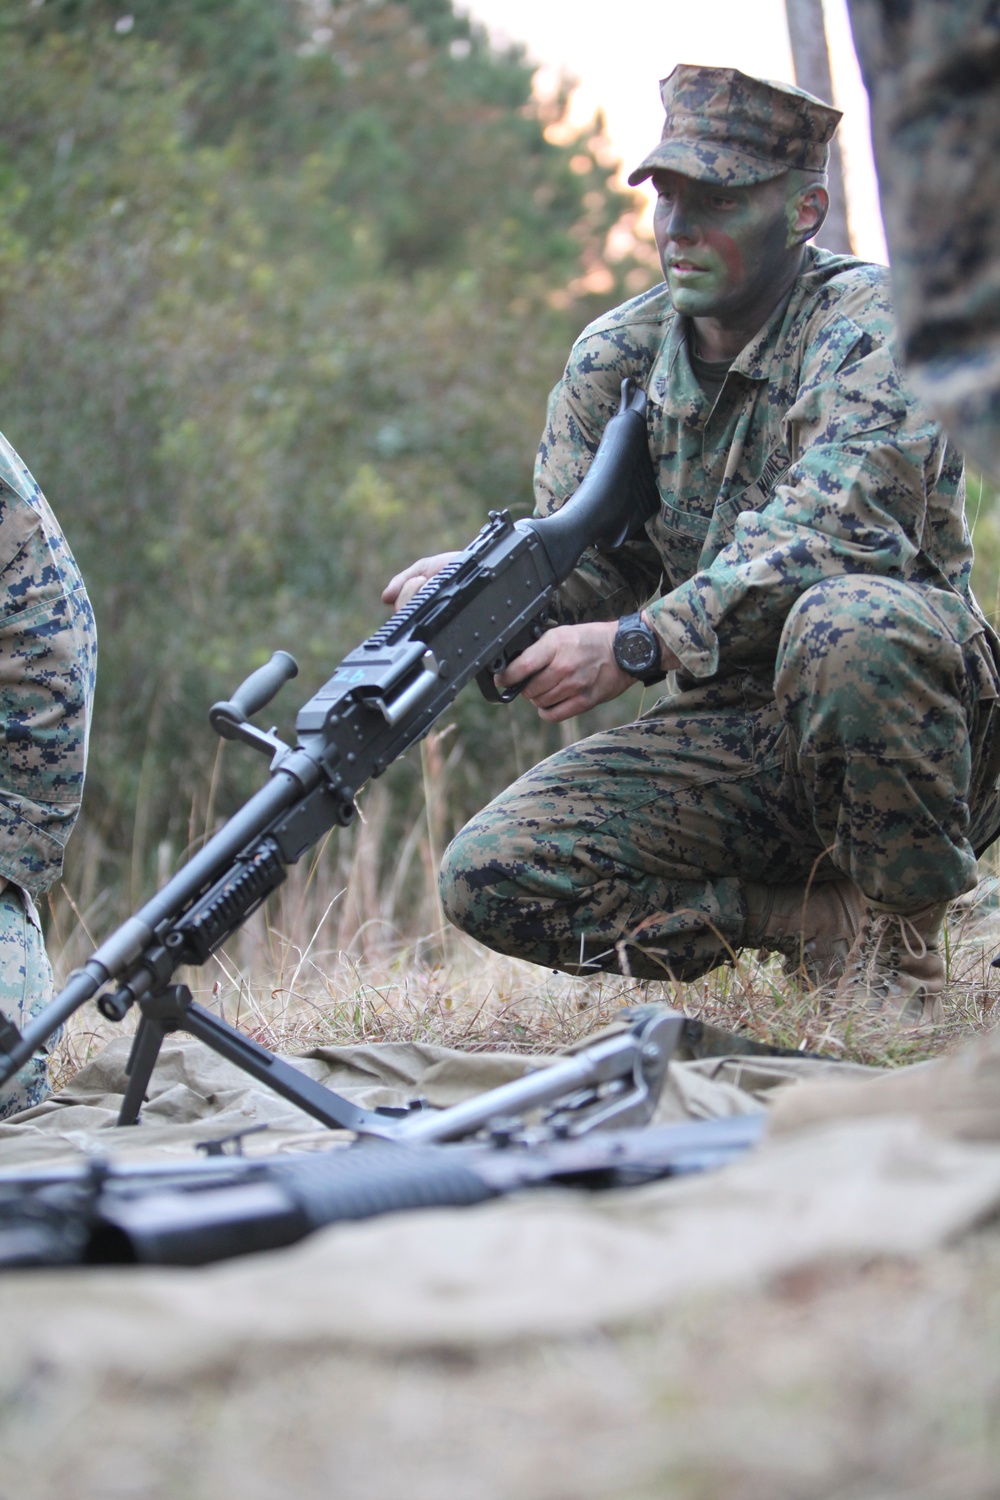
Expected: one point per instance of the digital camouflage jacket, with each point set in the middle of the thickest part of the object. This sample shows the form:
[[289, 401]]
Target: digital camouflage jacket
[[815, 461], [48, 659]]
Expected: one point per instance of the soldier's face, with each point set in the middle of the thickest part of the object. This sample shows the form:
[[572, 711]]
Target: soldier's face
[[721, 247]]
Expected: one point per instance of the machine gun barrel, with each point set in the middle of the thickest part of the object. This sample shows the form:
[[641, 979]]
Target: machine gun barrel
[[127, 943]]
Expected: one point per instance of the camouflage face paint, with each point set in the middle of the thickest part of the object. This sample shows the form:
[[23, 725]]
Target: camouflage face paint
[[727, 252]]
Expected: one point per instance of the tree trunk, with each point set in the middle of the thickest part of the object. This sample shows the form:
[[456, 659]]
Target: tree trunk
[[807, 33]]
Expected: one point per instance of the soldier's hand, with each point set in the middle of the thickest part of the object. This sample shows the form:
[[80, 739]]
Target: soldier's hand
[[401, 589], [571, 668]]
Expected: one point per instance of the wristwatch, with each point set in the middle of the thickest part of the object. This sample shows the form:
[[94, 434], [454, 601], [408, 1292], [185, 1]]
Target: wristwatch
[[637, 650]]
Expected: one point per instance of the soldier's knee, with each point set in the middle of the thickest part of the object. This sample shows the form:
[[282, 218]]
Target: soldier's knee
[[854, 630], [457, 880], [852, 648], [476, 882]]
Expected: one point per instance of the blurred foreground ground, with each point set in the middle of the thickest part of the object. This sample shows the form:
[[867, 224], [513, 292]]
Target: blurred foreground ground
[[877, 1382], [850, 1380]]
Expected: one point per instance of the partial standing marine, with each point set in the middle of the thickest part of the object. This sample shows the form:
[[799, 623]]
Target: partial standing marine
[[48, 658]]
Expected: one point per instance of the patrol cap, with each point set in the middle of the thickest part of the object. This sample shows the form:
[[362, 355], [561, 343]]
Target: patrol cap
[[724, 126]]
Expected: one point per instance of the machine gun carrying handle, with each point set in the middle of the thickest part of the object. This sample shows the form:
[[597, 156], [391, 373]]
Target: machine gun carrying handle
[[251, 695]]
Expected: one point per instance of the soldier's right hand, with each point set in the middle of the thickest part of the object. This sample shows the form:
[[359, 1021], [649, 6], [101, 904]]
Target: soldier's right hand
[[401, 589], [567, 670]]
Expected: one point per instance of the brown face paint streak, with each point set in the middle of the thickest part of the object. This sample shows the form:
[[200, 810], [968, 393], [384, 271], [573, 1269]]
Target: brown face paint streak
[[753, 253], [729, 252], [740, 254]]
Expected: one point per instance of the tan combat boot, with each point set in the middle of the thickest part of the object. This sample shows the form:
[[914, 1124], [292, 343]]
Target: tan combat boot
[[813, 927], [896, 964]]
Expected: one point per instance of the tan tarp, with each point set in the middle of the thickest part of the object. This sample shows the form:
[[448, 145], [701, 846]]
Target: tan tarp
[[194, 1095], [958, 1095], [861, 1166]]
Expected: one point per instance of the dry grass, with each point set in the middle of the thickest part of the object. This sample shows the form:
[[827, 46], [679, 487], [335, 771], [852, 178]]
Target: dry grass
[[325, 965], [354, 948]]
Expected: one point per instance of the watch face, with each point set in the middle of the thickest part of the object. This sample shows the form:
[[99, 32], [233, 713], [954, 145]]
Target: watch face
[[637, 650]]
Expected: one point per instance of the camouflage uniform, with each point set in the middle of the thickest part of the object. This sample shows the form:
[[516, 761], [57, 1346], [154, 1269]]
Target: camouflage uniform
[[837, 709], [932, 69], [47, 665]]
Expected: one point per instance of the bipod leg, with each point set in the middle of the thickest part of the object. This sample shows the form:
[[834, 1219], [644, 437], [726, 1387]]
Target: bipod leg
[[330, 1108], [153, 1027], [173, 1009]]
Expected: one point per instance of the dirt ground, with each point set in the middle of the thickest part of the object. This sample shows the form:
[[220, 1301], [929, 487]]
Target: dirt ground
[[875, 1382]]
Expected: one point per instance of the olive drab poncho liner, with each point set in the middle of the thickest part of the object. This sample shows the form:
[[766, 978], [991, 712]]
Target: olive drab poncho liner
[[847, 1181]]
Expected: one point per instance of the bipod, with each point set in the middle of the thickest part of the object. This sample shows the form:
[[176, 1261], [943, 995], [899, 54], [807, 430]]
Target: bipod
[[174, 1009]]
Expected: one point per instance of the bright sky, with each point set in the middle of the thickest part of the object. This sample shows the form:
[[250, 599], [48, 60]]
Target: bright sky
[[619, 52]]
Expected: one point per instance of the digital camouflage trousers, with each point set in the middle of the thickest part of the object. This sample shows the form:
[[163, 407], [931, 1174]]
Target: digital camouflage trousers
[[874, 756], [25, 987]]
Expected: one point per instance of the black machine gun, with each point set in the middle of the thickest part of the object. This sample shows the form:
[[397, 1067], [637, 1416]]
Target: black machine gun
[[549, 1128], [468, 622]]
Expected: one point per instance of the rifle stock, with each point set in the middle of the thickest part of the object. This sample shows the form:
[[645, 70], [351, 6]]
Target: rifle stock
[[194, 1212]]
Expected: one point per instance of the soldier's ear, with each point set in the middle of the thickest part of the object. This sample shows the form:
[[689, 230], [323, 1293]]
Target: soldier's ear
[[809, 209]]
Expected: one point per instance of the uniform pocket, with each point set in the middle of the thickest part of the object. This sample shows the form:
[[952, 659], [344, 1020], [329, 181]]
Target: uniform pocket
[[852, 386], [752, 497], [679, 536]]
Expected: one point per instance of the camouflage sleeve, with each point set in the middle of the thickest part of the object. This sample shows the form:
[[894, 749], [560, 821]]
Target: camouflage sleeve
[[603, 586], [865, 459], [48, 655]]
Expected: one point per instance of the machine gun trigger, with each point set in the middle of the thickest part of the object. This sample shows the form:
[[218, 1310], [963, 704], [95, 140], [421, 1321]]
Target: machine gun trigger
[[488, 687]]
